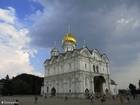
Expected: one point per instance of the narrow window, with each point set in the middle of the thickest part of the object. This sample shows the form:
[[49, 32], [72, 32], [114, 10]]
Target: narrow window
[[94, 68], [69, 65], [85, 65], [48, 71], [61, 68], [54, 70], [47, 89], [97, 69]]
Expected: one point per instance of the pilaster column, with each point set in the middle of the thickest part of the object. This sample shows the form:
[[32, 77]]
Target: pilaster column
[[65, 86], [81, 88], [108, 77], [57, 87], [92, 83]]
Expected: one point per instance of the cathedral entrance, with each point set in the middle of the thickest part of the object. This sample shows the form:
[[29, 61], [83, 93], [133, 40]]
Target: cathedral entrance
[[98, 84], [53, 91]]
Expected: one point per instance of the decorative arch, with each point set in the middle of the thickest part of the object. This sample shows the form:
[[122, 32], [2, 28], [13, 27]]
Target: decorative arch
[[75, 53], [68, 55], [87, 82], [53, 92], [53, 59], [46, 62], [96, 54], [60, 58], [85, 52], [98, 83], [104, 58]]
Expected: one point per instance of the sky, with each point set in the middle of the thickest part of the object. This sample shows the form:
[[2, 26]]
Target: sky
[[28, 29]]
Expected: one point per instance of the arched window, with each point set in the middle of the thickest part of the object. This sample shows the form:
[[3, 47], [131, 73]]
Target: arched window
[[47, 89], [69, 65], [54, 70], [85, 66], [94, 68], [97, 69]]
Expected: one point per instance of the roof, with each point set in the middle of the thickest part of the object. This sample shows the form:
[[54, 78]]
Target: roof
[[79, 50], [112, 82]]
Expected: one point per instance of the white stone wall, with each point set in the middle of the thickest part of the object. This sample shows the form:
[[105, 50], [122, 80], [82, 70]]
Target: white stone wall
[[114, 89], [72, 74]]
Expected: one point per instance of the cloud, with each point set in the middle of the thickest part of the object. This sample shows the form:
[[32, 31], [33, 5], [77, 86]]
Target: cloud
[[34, 17], [112, 27], [7, 16], [123, 76], [14, 49]]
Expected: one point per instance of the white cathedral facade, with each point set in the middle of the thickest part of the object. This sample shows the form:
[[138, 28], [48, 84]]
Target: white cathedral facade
[[74, 71]]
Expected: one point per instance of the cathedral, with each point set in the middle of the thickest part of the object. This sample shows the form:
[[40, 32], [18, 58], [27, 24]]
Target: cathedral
[[76, 72]]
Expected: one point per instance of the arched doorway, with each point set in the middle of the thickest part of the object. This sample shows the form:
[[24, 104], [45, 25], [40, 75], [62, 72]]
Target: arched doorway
[[53, 91], [98, 84]]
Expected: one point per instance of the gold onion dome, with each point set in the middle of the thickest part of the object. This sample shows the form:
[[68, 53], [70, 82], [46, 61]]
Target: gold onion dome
[[69, 37]]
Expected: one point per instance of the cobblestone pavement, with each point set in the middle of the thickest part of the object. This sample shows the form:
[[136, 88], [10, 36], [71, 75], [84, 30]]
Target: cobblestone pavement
[[29, 100]]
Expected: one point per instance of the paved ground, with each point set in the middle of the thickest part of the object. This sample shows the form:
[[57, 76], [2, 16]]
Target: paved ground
[[29, 100]]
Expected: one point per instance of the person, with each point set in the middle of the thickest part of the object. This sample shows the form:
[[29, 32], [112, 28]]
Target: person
[[113, 97], [127, 98], [121, 99], [87, 92], [16, 102], [66, 98], [45, 96], [91, 97], [36, 98], [103, 98]]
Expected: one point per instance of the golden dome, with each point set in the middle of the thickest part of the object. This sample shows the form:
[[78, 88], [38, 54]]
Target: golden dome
[[69, 38]]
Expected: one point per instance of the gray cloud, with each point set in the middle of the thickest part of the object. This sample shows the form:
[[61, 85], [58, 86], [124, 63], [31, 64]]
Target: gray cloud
[[112, 27]]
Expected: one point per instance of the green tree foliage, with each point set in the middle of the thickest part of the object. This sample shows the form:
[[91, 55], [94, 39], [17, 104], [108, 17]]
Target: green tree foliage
[[34, 82], [22, 84], [21, 87], [7, 88]]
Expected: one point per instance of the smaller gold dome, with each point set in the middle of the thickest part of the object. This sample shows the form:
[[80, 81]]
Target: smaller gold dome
[[69, 38]]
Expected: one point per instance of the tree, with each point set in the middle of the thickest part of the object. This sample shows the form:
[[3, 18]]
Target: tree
[[21, 84], [7, 87], [21, 87], [7, 77], [34, 83]]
